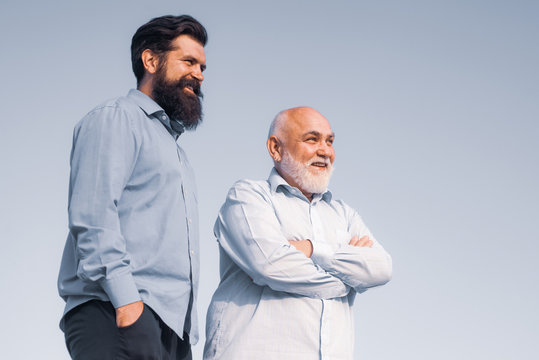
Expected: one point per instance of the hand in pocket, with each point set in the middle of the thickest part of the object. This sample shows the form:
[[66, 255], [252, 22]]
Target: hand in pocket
[[127, 315]]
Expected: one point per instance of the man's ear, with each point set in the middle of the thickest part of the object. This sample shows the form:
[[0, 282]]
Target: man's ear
[[275, 148], [150, 61]]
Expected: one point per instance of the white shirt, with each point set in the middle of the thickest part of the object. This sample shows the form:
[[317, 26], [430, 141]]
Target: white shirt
[[273, 302]]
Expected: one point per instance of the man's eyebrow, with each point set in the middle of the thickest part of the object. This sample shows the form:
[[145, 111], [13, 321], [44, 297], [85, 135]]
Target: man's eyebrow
[[189, 57], [194, 59], [317, 134]]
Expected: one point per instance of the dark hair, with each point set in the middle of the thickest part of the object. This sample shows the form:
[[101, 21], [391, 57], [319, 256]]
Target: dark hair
[[158, 34]]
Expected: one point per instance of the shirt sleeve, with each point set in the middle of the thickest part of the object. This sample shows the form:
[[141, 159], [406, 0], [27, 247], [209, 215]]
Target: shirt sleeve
[[102, 157], [249, 232], [359, 267]]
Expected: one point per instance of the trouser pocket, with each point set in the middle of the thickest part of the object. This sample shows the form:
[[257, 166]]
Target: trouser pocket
[[141, 340]]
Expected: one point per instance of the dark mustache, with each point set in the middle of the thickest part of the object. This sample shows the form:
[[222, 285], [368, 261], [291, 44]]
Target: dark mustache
[[194, 84]]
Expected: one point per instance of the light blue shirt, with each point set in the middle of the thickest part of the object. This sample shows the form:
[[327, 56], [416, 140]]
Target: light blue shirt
[[133, 217], [273, 302]]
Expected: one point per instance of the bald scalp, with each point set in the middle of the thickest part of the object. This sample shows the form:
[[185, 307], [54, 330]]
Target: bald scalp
[[288, 117]]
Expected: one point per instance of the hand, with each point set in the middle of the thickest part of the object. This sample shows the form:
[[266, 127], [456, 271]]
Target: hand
[[126, 315], [305, 246], [365, 241]]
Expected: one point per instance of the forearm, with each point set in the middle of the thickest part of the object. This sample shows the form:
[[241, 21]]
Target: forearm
[[286, 270], [357, 258], [358, 267], [103, 259]]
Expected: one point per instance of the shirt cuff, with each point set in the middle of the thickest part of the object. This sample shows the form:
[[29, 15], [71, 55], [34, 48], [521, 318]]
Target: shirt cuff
[[322, 254], [121, 290]]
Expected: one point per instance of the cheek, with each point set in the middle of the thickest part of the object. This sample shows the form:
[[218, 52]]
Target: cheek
[[308, 153], [176, 72]]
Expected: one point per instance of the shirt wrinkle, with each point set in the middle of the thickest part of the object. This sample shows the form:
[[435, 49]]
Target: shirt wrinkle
[[111, 251], [302, 308]]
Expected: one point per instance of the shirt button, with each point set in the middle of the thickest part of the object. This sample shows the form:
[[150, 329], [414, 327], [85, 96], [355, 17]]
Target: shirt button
[[192, 252], [189, 220], [164, 117]]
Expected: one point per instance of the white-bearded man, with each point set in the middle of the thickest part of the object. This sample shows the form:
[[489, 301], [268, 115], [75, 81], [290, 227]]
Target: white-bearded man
[[292, 257]]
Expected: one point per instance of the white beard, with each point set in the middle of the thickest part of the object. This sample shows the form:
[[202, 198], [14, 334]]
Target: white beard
[[306, 180]]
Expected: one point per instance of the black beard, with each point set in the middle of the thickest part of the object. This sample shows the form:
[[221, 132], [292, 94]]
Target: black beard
[[178, 103]]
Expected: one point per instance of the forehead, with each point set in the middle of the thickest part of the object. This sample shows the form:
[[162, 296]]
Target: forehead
[[307, 122], [185, 45]]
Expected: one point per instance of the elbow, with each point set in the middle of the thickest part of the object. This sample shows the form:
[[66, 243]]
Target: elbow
[[381, 272], [385, 271], [376, 273]]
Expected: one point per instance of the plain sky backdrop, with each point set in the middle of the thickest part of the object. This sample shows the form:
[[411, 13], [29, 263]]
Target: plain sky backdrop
[[435, 106]]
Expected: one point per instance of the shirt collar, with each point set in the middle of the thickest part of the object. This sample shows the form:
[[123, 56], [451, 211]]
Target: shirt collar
[[275, 180], [152, 109]]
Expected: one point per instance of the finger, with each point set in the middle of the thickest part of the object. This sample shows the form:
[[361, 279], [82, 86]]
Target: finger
[[354, 241], [364, 241]]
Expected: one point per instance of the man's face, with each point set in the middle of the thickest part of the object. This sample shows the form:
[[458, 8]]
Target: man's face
[[176, 85], [308, 152]]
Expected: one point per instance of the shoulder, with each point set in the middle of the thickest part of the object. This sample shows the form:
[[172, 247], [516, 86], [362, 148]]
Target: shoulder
[[342, 208], [119, 109], [121, 103], [247, 188], [340, 204]]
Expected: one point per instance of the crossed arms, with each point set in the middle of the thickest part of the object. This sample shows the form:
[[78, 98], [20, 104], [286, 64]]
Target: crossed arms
[[250, 233], [306, 246]]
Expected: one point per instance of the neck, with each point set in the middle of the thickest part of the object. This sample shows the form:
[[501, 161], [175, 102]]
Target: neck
[[146, 86]]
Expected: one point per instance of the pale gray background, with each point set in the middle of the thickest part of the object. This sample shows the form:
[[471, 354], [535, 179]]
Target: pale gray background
[[435, 106]]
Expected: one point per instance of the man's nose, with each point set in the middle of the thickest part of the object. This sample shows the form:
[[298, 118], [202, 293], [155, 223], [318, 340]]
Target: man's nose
[[324, 150], [197, 74]]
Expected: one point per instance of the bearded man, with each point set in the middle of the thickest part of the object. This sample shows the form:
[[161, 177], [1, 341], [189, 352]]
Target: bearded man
[[130, 268], [292, 257]]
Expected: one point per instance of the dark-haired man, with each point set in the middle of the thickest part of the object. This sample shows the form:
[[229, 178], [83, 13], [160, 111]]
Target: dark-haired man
[[130, 266], [292, 257]]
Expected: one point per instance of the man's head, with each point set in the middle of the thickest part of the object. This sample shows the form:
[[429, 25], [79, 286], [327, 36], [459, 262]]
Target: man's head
[[300, 141], [167, 56]]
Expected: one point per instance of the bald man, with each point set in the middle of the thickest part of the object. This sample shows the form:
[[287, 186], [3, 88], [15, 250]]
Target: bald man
[[292, 257]]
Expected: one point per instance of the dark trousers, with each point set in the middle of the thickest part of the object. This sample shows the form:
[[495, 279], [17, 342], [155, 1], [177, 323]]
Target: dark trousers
[[91, 334]]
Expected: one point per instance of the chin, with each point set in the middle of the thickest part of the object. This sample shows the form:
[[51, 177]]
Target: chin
[[318, 174]]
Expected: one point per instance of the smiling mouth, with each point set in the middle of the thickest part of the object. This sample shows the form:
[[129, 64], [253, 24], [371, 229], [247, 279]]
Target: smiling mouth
[[319, 164]]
